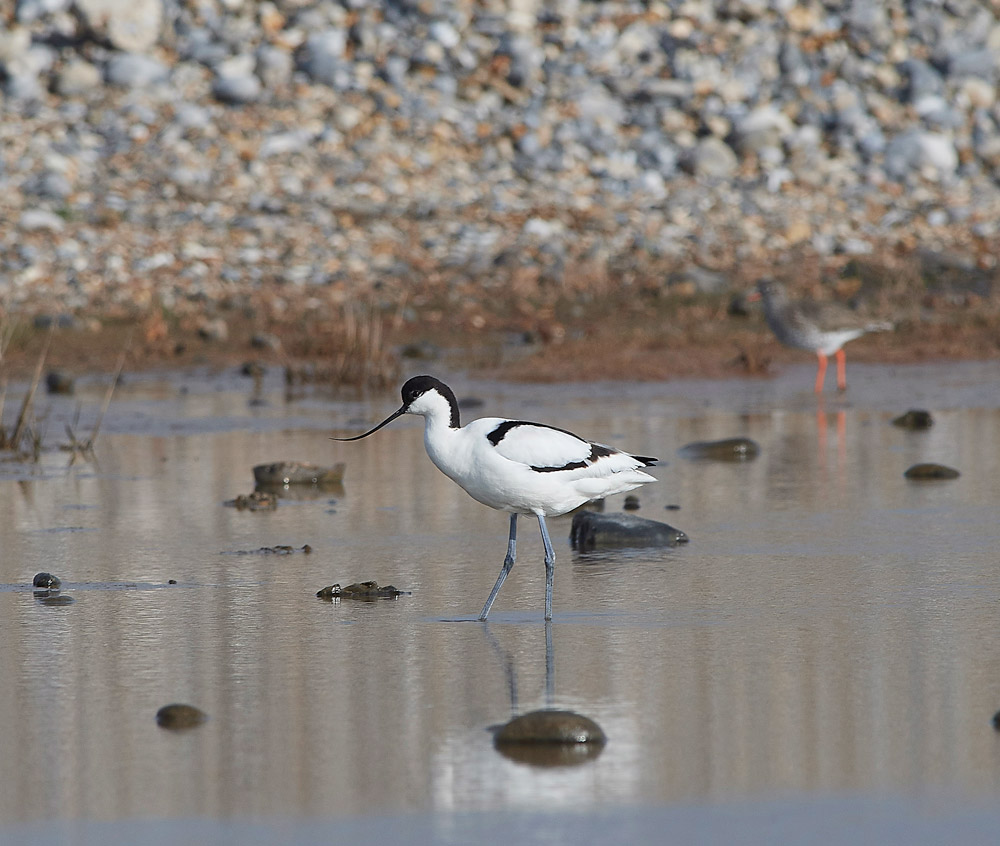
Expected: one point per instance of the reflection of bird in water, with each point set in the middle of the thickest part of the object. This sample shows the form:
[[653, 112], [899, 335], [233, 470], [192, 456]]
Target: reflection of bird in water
[[516, 466], [822, 328]]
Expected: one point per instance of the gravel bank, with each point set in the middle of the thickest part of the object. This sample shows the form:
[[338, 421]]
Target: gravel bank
[[190, 164]]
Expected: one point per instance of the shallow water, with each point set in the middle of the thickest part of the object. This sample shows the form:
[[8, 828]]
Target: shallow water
[[829, 636]]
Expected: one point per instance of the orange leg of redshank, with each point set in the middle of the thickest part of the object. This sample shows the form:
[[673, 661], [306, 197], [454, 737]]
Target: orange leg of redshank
[[841, 370], [820, 372]]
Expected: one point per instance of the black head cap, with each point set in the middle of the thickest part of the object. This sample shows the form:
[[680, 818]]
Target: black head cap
[[420, 385]]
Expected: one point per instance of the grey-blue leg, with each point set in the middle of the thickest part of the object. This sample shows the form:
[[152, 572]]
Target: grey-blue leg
[[550, 566], [508, 562]]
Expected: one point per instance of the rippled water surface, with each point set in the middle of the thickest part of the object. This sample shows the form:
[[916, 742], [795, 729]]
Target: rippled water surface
[[827, 643]]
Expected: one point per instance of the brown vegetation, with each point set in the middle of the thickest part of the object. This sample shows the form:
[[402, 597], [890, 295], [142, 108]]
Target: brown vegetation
[[586, 325]]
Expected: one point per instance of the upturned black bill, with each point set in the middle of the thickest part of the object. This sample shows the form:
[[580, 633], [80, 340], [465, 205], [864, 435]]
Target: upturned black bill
[[387, 420]]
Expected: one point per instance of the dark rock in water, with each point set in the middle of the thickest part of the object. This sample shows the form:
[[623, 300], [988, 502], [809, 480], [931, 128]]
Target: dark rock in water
[[550, 738], [631, 503], [729, 449], [57, 382], [931, 471], [46, 580], [551, 726], [180, 716], [914, 419], [361, 590], [591, 530], [297, 473], [256, 501], [171, 581], [996, 721]]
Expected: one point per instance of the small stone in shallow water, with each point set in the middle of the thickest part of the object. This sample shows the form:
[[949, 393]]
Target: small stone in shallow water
[[551, 726], [631, 503], [180, 716], [47, 581], [361, 590], [931, 471], [728, 449], [550, 737], [592, 530], [256, 501], [297, 473], [915, 418]]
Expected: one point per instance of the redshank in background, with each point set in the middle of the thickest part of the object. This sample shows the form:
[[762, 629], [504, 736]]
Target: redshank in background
[[822, 328]]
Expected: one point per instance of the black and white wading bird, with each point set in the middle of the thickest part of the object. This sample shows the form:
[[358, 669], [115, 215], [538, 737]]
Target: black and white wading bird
[[516, 466]]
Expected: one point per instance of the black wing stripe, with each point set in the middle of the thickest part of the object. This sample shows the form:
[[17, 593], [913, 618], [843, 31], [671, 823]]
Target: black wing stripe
[[596, 451]]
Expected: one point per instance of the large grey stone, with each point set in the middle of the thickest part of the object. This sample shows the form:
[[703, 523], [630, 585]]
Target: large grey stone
[[593, 530]]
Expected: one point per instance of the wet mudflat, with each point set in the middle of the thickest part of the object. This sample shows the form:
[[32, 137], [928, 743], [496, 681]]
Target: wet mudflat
[[823, 653]]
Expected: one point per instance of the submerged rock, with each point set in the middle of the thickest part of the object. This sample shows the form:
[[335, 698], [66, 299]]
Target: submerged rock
[[591, 530], [361, 590], [729, 449], [256, 501], [631, 503], [297, 473], [47, 581], [551, 726], [914, 419], [930, 471], [550, 737], [180, 716]]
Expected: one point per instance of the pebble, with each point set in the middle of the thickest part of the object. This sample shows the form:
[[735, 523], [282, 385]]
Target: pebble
[[180, 716], [367, 590], [325, 150], [930, 472], [550, 725], [728, 449], [914, 419], [297, 473]]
